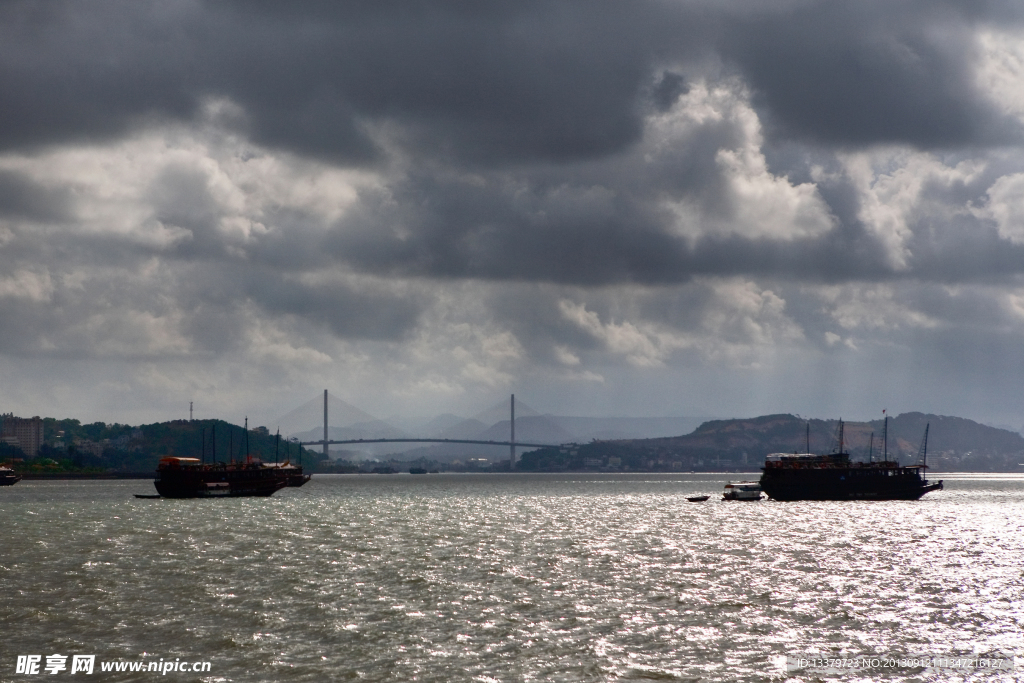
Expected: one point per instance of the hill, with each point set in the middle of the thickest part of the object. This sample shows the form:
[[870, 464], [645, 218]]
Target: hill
[[954, 444], [70, 445]]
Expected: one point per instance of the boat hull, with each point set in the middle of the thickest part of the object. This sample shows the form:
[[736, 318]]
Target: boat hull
[[9, 479], [845, 484], [298, 479], [744, 491], [215, 481]]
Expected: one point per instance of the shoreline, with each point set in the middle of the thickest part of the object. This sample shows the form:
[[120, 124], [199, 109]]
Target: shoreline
[[25, 476]]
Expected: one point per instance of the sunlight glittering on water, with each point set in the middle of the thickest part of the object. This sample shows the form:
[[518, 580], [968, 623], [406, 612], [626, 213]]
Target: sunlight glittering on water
[[508, 577]]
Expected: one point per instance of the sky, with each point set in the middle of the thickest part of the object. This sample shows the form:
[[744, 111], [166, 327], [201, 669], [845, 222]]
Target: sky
[[647, 208]]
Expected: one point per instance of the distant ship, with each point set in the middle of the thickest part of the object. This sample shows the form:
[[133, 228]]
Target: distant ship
[[191, 478], [806, 476], [8, 477]]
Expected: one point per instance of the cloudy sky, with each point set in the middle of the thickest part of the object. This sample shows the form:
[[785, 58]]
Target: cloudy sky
[[645, 208]]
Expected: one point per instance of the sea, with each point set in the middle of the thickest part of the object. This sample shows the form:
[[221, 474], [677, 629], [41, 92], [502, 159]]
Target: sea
[[510, 577]]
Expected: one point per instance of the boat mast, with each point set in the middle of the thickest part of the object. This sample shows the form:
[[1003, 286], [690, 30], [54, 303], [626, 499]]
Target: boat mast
[[840, 436], [213, 443], [808, 437], [885, 439], [247, 438], [277, 446], [923, 452], [871, 448]]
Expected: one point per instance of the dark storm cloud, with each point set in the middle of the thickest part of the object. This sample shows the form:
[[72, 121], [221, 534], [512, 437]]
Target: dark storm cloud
[[666, 93], [596, 235], [495, 82], [860, 73], [20, 197], [350, 312], [543, 100], [456, 230], [70, 71], [181, 198]]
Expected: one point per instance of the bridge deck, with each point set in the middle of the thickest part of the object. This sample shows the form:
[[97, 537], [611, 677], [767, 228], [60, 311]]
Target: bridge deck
[[470, 441]]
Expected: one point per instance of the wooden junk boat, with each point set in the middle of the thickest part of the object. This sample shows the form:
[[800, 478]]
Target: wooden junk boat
[[195, 478], [806, 476], [191, 478]]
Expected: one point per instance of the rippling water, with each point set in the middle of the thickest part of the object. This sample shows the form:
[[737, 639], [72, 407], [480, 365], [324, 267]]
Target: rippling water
[[506, 578]]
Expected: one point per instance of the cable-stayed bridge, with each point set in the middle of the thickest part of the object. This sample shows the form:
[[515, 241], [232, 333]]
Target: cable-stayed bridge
[[511, 443]]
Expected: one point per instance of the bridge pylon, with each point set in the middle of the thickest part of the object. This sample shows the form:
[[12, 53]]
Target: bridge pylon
[[512, 440]]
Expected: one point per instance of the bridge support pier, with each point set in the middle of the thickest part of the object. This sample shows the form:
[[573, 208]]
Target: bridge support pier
[[512, 448]]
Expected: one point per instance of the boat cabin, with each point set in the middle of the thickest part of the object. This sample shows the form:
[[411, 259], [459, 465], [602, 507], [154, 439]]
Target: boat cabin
[[806, 460], [178, 463]]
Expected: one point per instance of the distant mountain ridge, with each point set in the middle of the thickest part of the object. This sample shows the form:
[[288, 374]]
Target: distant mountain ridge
[[953, 442]]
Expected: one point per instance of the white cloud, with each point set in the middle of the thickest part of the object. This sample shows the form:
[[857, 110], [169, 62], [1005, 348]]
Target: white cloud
[[565, 356], [999, 68], [736, 323], [1006, 207], [643, 348], [113, 183], [870, 308], [753, 201], [891, 184], [27, 284]]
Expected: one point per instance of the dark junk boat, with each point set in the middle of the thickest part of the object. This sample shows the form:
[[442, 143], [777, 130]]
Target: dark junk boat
[[806, 476], [191, 478], [194, 478]]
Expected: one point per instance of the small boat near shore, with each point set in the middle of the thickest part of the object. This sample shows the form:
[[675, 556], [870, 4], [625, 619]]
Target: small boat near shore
[[743, 490], [697, 499], [8, 477]]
